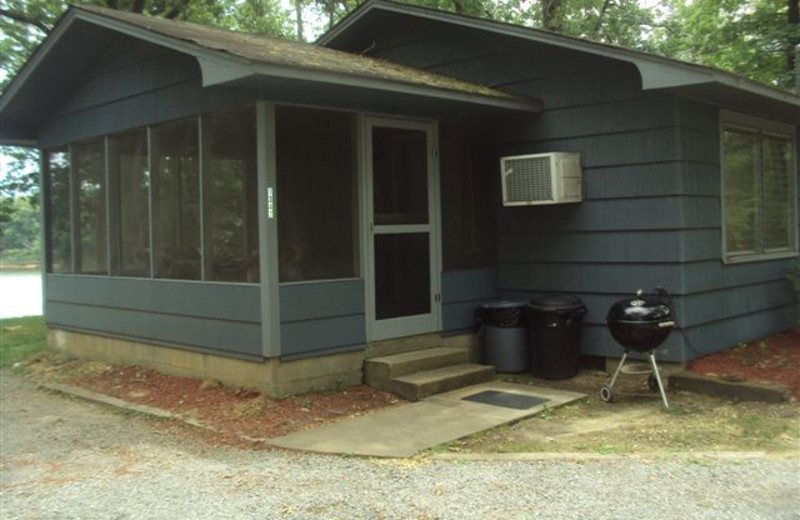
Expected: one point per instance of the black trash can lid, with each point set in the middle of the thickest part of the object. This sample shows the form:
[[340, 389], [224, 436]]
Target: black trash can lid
[[555, 303], [504, 304]]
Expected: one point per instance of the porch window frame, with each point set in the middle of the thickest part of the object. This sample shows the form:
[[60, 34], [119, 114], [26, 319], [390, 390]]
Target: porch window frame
[[729, 120], [111, 179]]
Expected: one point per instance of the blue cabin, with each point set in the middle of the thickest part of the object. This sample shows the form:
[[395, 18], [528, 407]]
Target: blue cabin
[[272, 213]]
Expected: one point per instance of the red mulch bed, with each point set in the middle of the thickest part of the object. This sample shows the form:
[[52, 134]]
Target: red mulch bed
[[772, 360], [233, 414]]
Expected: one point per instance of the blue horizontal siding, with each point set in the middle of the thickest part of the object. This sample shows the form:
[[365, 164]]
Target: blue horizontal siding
[[225, 338], [140, 86], [218, 301], [322, 318], [462, 293], [223, 318], [654, 214]]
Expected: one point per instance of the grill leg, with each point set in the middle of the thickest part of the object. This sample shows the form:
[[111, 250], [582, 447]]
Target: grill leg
[[652, 357], [619, 367]]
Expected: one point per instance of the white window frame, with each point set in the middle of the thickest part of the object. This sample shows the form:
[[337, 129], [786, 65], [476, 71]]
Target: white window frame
[[735, 120]]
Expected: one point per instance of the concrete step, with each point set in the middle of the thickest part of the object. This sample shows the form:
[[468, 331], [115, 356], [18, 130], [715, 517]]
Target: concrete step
[[419, 385], [380, 370]]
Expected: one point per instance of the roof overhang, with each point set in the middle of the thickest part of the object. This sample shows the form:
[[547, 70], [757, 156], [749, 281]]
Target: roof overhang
[[657, 73], [81, 35]]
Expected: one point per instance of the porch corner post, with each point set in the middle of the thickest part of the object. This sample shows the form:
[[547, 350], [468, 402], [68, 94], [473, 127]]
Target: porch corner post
[[44, 228], [268, 230]]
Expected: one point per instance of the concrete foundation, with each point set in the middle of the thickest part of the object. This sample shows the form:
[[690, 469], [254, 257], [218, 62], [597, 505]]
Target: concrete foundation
[[394, 346], [270, 376]]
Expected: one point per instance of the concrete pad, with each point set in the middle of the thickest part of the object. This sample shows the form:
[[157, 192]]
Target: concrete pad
[[405, 430]]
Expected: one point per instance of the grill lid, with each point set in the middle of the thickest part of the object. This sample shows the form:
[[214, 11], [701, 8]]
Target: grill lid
[[555, 303], [645, 308]]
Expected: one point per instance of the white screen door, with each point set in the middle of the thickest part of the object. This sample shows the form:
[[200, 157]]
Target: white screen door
[[402, 242]]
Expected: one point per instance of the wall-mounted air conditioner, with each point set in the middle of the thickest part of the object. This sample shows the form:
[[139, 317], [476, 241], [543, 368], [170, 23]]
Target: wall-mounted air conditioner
[[546, 178]]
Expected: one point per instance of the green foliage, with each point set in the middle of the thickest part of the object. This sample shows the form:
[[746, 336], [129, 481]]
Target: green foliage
[[753, 38], [21, 338], [21, 229]]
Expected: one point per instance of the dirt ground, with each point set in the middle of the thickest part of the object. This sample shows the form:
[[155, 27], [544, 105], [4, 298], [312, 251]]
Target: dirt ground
[[635, 422], [772, 360], [231, 416], [67, 458]]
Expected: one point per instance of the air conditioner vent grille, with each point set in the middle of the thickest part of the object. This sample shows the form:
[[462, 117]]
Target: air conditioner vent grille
[[547, 178], [528, 179]]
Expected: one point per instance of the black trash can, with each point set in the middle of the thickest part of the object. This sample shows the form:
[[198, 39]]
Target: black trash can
[[505, 336], [554, 335]]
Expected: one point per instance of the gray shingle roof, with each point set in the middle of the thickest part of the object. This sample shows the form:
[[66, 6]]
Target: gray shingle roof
[[288, 53]]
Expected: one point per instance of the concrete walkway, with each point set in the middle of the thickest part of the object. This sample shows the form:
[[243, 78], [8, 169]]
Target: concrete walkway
[[407, 429]]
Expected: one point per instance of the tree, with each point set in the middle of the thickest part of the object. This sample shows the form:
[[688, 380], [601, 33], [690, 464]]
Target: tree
[[754, 38]]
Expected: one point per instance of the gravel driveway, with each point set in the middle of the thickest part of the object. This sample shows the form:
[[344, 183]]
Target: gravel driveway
[[63, 458]]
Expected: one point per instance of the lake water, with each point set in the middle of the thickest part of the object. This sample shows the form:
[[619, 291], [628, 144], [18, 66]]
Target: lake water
[[20, 293]]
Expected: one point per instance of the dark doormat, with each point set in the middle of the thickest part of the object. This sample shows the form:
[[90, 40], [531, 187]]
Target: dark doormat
[[505, 399]]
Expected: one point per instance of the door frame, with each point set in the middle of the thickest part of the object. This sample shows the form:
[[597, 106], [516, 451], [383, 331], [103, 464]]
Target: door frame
[[412, 325]]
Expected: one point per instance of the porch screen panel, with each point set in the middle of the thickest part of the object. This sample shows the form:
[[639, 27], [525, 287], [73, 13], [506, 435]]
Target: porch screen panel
[[232, 211], [130, 164], [60, 228], [89, 161], [317, 194], [400, 179], [176, 200], [402, 275], [469, 191]]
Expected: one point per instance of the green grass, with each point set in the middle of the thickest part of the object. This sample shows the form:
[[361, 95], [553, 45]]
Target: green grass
[[19, 257], [21, 338]]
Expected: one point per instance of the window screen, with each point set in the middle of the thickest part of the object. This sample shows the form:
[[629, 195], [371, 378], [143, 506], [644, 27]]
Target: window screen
[[176, 203], [89, 162], [60, 226], [129, 166], [759, 192], [470, 190], [316, 194], [232, 207]]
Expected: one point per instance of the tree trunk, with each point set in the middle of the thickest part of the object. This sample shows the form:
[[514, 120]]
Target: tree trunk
[[298, 10], [792, 50], [599, 24], [550, 13]]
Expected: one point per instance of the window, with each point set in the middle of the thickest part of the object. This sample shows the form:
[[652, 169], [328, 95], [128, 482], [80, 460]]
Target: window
[[60, 226], [158, 202], [130, 173], [176, 201], [89, 160], [231, 208], [317, 194], [759, 198], [468, 164]]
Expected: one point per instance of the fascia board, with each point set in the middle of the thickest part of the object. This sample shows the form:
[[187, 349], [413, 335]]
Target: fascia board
[[221, 73]]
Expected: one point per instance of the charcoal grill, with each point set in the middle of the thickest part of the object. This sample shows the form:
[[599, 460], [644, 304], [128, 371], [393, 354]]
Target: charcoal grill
[[640, 324]]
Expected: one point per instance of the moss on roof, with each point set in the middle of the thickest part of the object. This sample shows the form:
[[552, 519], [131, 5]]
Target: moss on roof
[[288, 53]]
